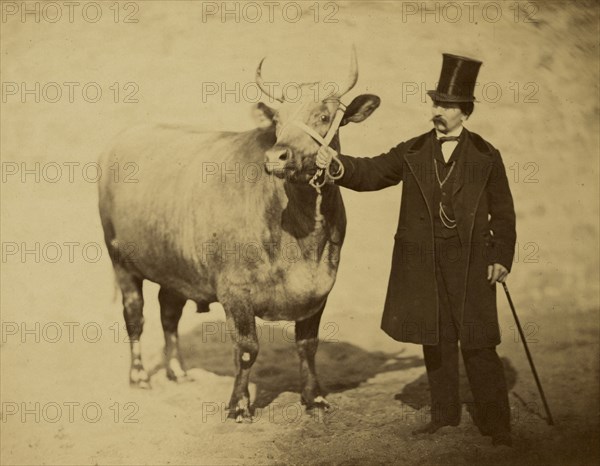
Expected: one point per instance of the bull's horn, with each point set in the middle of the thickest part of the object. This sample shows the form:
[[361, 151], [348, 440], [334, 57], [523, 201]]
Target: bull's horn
[[261, 83], [352, 76]]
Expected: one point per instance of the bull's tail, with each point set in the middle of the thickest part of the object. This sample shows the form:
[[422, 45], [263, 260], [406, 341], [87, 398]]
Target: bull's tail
[[116, 289], [109, 235]]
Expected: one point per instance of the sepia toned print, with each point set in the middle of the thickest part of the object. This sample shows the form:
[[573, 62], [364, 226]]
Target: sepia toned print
[[190, 277]]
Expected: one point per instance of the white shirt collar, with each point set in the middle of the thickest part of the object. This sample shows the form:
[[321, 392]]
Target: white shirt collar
[[455, 133]]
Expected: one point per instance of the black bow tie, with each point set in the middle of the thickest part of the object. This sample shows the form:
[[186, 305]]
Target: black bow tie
[[444, 139]]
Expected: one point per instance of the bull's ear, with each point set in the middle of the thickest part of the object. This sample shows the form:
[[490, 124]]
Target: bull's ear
[[360, 108], [263, 116]]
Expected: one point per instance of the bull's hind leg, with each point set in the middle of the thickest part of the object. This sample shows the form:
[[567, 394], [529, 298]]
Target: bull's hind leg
[[307, 341], [171, 307], [133, 306], [241, 324]]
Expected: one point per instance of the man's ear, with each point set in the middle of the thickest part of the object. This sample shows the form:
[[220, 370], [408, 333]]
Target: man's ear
[[360, 108], [263, 116]]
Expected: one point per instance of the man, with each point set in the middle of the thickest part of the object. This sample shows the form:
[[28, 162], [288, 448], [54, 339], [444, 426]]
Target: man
[[455, 240]]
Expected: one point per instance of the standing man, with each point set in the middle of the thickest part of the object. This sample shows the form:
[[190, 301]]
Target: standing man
[[455, 239]]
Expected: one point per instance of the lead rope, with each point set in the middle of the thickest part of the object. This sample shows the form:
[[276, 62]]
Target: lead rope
[[322, 175]]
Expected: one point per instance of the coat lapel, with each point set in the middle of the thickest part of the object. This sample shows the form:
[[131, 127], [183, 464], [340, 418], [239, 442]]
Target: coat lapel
[[473, 171], [419, 158], [459, 179]]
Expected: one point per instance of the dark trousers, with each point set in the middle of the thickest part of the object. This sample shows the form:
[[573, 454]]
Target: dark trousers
[[484, 369]]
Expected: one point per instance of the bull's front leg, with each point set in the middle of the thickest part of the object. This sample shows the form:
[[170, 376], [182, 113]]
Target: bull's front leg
[[307, 341], [242, 324]]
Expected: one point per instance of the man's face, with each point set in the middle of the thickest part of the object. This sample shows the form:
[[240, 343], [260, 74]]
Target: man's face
[[447, 116]]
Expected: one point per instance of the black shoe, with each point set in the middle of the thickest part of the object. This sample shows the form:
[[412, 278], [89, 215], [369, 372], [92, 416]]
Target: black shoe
[[432, 427], [502, 438], [485, 432]]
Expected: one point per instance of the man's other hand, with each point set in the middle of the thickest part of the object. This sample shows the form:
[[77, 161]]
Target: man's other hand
[[497, 273], [324, 156]]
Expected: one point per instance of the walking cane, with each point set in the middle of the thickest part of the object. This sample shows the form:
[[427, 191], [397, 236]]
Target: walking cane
[[535, 375]]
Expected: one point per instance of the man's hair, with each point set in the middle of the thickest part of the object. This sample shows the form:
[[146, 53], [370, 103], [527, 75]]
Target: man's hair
[[467, 108]]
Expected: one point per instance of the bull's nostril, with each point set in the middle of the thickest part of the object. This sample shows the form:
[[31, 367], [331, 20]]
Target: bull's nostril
[[278, 155]]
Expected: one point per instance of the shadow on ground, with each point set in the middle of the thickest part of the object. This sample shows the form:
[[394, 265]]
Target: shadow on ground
[[341, 366]]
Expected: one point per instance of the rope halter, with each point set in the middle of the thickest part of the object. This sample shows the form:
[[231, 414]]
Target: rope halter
[[321, 176]]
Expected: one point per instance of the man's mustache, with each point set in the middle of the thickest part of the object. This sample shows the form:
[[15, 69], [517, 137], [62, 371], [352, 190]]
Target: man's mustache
[[437, 119]]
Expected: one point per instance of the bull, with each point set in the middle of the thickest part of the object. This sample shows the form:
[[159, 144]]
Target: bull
[[263, 246]]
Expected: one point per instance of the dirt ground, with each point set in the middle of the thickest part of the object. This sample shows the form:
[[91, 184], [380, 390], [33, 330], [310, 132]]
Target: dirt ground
[[64, 359]]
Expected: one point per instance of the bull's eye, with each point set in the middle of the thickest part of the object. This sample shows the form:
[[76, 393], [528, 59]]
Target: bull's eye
[[324, 118]]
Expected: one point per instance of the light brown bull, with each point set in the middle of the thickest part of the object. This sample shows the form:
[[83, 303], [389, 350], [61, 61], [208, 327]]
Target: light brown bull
[[230, 217]]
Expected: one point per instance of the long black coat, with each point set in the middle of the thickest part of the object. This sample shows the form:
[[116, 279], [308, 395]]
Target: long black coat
[[485, 217]]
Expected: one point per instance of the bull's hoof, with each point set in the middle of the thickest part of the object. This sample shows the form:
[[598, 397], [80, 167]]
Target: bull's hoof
[[317, 408], [139, 378], [141, 384], [179, 378], [176, 373], [318, 402], [241, 410]]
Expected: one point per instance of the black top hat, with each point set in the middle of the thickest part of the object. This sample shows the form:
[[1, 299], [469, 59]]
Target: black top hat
[[457, 80]]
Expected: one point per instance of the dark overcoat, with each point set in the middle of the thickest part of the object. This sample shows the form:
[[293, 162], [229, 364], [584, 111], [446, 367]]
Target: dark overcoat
[[485, 217]]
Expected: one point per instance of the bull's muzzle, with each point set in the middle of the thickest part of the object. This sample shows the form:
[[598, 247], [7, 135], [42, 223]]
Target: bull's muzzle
[[276, 159]]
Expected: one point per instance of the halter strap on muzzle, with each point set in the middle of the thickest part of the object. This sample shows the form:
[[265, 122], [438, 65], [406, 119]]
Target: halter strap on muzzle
[[318, 180]]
